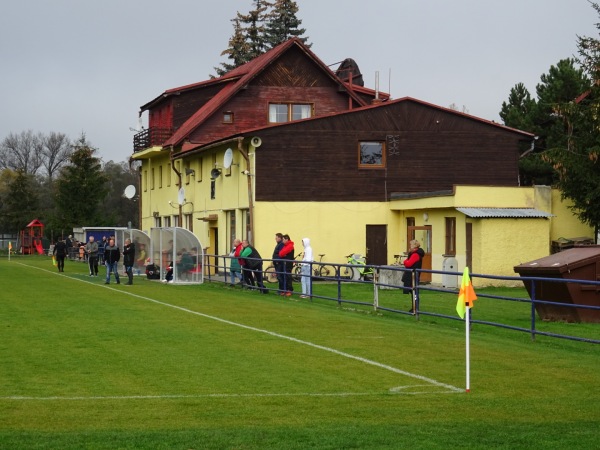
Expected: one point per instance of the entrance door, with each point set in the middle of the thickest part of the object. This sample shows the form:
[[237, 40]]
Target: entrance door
[[423, 235], [376, 245]]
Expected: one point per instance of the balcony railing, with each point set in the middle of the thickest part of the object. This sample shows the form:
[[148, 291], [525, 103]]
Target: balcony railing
[[151, 137]]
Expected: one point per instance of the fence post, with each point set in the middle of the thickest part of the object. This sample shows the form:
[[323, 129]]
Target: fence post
[[339, 284], [376, 289], [533, 311]]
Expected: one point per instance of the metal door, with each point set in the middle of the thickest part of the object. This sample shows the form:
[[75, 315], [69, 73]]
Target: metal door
[[376, 239]]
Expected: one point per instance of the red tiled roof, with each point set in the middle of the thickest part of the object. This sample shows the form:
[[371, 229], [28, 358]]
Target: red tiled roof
[[241, 76]]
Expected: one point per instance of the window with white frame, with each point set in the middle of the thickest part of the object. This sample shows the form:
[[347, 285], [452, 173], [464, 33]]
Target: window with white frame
[[287, 112]]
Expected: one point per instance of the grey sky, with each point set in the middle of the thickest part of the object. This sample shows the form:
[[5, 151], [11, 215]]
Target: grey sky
[[75, 66]]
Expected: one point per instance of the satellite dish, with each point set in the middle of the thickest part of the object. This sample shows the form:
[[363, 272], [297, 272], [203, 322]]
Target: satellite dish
[[228, 158], [129, 191], [181, 196]]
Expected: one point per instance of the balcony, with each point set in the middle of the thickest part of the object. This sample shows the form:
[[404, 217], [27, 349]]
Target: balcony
[[151, 137]]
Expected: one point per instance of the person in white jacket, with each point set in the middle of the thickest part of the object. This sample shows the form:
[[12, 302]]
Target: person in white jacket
[[306, 268]]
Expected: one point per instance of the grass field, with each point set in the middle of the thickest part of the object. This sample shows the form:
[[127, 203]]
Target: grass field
[[86, 365]]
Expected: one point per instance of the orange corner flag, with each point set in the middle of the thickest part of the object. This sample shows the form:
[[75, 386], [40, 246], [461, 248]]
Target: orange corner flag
[[466, 296], [9, 246]]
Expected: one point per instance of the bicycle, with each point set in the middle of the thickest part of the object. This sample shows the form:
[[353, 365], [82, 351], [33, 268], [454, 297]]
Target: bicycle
[[359, 272], [270, 273], [319, 269]]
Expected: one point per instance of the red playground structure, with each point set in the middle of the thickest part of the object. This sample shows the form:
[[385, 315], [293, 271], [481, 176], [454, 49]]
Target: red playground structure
[[31, 238]]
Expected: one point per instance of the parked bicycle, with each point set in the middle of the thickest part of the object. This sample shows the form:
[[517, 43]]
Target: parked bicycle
[[319, 269], [270, 274], [361, 271]]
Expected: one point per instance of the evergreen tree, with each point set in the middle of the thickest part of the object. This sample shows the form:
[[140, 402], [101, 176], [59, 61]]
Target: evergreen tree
[[260, 30], [563, 83], [247, 41], [283, 24], [576, 156], [518, 112], [20, 202], [238, 51], [80, 189]]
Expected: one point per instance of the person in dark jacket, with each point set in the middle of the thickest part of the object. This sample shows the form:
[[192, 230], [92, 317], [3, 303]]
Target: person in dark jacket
[[287, 253], [413, 261], [112, 254], [252, 267], [277, 263], [129, 259], [60, 252]]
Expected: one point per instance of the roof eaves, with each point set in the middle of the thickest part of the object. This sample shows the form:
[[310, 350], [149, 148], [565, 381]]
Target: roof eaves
[[504, 213]]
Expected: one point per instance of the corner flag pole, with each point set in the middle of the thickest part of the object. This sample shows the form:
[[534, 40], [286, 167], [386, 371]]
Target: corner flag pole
[[466, 297], [468, 348]]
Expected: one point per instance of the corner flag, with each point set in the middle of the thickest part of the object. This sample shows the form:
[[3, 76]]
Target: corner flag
[[466, 295]]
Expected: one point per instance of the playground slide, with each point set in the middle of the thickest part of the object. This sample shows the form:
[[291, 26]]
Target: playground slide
[[38, 247]]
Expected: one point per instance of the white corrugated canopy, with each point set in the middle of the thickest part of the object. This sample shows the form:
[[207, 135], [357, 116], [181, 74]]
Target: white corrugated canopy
[[500, 213]]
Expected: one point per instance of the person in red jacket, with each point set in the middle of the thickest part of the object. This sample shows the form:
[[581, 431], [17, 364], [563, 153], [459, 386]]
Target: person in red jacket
[[413, 261], [287, 253]]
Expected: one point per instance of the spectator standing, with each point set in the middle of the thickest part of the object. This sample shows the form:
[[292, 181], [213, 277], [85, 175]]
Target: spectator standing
[[101, 247], [253, 265], [129, 259], [112, 255], [278, 263], [235, 269], [287, 253], [306, 268], [60, 252], [413, 261], [91, 250]]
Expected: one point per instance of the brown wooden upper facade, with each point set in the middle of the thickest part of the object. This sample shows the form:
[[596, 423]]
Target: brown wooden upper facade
[[324, 139]]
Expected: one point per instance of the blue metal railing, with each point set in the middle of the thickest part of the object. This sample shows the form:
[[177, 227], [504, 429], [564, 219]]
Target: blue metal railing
[[344, 296]]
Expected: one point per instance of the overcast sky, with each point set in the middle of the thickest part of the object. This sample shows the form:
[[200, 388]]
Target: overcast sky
[[74, 66]]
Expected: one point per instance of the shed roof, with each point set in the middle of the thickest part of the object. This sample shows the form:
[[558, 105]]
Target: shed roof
[[502, 213]]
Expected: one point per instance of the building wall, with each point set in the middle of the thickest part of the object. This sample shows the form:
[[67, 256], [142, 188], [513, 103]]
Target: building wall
[[566, 224], [335, 229], [501, 244]]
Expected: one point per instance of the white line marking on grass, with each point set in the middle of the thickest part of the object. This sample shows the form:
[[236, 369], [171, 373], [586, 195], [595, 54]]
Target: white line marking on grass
[[400, 390], [427, 380]]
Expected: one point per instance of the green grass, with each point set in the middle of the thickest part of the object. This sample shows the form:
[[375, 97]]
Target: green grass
[[84, 365]]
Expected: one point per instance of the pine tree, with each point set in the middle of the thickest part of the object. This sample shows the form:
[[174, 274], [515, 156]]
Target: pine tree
[[576, 157], [283, 24], [238, 51], [247, 41], [80, 189], [264, 27]]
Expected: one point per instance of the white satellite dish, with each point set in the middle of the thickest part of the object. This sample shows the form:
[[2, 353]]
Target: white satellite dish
[[181, 196], [129, 191], [228, 158]]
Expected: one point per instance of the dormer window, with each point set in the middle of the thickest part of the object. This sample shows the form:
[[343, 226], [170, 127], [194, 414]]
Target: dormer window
[[227, 117], [287, 112]]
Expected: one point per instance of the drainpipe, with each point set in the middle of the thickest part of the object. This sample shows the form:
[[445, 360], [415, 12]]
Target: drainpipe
[[180, 186], [249, 175]]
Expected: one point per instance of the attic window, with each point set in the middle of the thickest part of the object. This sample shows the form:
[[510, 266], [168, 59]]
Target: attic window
[[371, 154], [287, 112], [227, 117]]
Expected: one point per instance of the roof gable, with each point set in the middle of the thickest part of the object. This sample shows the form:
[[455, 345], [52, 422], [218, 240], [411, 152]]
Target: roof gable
[[240, 77]]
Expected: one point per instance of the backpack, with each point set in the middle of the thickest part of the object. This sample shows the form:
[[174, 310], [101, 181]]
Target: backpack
[[153, 272]]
